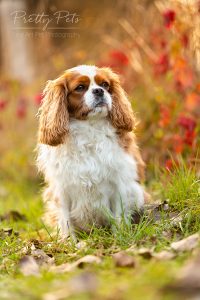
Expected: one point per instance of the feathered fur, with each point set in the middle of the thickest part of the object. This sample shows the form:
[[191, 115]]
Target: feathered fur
[[88, 152]]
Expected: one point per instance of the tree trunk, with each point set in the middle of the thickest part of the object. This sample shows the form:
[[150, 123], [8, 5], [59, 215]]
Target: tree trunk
[[16, 58]]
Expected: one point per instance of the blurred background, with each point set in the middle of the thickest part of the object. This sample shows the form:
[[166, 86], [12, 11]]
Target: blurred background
[[153, 45]]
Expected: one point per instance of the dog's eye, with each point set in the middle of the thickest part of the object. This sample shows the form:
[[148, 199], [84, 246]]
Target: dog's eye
[[105, 85], [80, 88]]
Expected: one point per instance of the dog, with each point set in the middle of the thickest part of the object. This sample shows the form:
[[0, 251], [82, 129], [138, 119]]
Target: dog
[[87, 151]]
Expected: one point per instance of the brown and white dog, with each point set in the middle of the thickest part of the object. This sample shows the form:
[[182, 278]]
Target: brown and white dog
[[87, 150]]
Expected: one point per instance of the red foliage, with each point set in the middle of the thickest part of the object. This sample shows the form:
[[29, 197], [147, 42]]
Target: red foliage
[[162, 65], [183, 74], [117, 60], [178, 104], [184, 40], [165, 116], [169, 18], [3, 104], [192, 101], [158, 39], [172, 100], [189, 125], [38, 98], [178, 143], [21, 110], [119, 57], [171, 164], [189, 137]]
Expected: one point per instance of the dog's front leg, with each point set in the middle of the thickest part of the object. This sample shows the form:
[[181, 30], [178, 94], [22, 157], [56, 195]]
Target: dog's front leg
[[64, 223], [129, 199], [117, 208]]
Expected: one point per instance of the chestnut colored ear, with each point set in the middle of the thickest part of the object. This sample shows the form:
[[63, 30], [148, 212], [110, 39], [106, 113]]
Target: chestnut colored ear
[[121, 114], [53, 114]]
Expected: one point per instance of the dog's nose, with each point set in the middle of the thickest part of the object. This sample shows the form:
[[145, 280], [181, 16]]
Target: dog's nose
[[98, 92]]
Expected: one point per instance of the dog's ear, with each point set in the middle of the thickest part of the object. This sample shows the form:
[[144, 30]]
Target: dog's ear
[[121, 114], [53, 114]]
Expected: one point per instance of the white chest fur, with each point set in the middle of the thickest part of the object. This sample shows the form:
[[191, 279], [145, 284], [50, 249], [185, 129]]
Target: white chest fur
[[91, 169]]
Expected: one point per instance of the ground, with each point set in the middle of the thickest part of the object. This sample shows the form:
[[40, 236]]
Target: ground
[[138, 274]]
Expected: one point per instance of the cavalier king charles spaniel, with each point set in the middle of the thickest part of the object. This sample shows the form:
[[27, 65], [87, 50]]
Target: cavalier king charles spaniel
[[87, 151]]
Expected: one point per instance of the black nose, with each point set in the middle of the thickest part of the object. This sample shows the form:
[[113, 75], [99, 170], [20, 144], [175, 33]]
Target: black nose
[[98, 92]]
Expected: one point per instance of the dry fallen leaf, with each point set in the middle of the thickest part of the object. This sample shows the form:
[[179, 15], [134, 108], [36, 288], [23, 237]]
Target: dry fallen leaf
[[188, 280], [186, 244], [41, 257], [85, 282], [132, 249], [68, 267], [155, 211], [159, 206], [149, 253], [36, 244], [145, 253], [167, 234], [4, 232], [28, 266], [164, 255], [13, 215], [122, 259], [81, 245], [175, 219]]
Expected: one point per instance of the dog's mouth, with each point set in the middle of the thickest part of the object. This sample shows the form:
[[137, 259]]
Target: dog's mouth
[[100, 103]]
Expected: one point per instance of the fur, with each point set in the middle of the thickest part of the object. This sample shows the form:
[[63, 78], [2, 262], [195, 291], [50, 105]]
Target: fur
[[88, 154]]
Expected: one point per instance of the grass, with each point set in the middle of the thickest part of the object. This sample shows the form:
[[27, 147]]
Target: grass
[[154, 231], [183, 192]]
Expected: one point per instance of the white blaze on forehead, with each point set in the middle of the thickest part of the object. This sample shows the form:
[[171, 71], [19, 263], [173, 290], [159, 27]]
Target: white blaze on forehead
[[85, 70], [91, 72]]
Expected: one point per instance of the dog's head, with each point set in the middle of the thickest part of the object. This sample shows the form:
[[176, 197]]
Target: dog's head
[[83, 92]]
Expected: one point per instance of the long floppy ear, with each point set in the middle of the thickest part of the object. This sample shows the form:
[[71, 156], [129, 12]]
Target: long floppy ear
[[121, 114], [53, 114]]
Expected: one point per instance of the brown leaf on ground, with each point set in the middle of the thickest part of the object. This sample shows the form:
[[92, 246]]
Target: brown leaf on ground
[[122, 259], [176, 219], [155, 211], [186, 244], [132, 249], [36, 243], [188, 280], [42, 258], [145, 253], [83, 283], [4, 232], [159, 206], [149, 253], [68, 267], [167, 234], [28, 266], [31, 264], [13, 215], [164, 255], [81, 245]]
